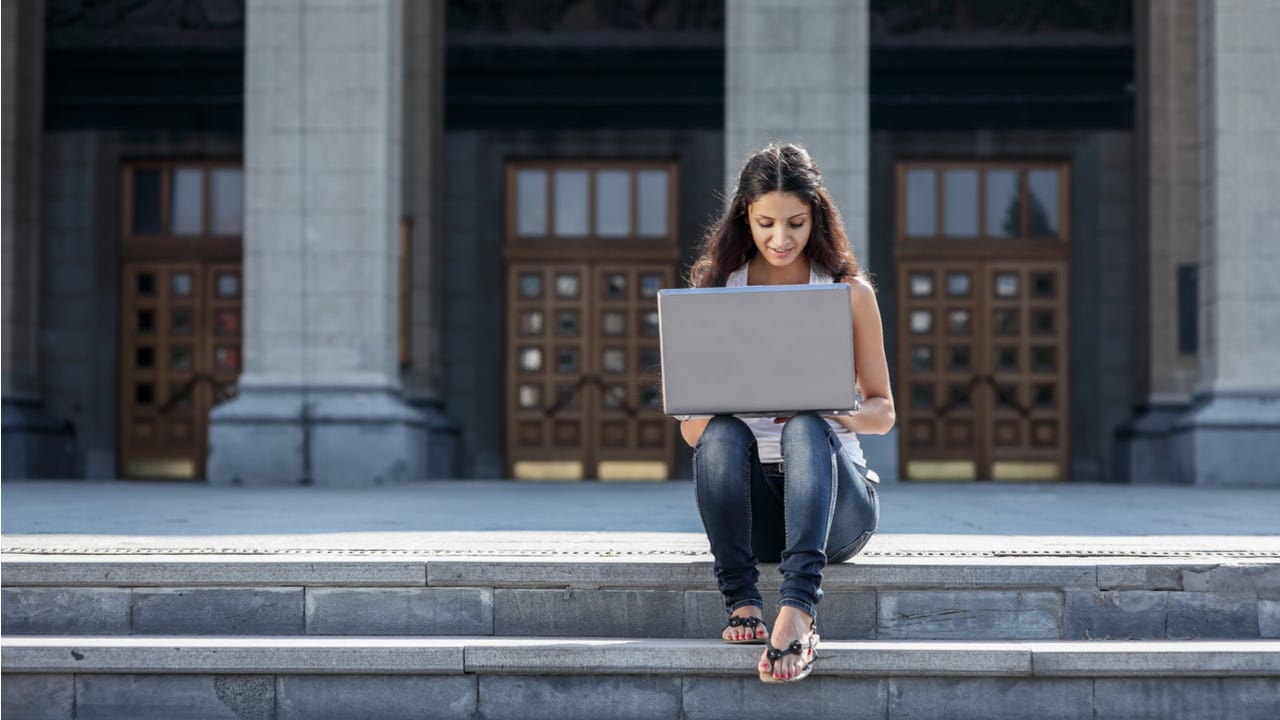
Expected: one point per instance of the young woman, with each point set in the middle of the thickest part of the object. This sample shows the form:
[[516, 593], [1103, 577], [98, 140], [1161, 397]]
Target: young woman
[[793, 490]]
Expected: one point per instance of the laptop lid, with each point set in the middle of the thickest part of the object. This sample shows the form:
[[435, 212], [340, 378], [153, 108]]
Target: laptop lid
[[759, 350]]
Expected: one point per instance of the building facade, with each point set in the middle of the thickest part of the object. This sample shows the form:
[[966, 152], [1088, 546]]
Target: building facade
[[373, 241]]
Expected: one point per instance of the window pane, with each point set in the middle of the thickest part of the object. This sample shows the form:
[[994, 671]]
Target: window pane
[[187, 202], [226, 195], [146, 284], [566, 360], [1042, 203], [571, 203], [531, 323], [615, 286], [1006, 285], [921, 321], [1004, 215], [530, 286], [567, 322], [922, 203], [226, 322], [922, 358], [531, 203], [530, 396], [921, 284], [958, 284], [613, 203], [960, 194], [228, 285], [649, 324], [530, 359], [650, 359], [614, 322], [180, 284], [226, 359], [649, 286], [614, 360], [180, 357], [567, 286], [652, 213], [146, 202]]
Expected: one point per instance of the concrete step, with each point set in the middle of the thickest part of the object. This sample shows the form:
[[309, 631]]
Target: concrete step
[[900, 597], [529, 678]]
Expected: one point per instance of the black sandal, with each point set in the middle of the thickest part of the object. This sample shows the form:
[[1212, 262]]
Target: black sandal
[[807, 650], [754, 624]]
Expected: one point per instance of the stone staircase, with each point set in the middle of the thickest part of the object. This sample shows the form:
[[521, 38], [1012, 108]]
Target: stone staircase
[[403, 635]]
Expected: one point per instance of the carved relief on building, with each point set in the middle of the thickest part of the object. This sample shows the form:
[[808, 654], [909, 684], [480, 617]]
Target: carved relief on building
[[995, 22], [583, 21], [73, 24]]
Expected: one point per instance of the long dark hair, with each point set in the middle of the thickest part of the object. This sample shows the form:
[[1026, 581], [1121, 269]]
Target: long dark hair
[[784, 168]]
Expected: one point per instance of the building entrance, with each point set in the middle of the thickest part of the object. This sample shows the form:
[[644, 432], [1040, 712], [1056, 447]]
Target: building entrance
[[181, 312], [984, 324], [588, 247]]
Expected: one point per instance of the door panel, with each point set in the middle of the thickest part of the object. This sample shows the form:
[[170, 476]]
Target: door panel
[[983, 370], [582, 398], [180, 352]]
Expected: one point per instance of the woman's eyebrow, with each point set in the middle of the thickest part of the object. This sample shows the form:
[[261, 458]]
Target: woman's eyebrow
[[766, 217]]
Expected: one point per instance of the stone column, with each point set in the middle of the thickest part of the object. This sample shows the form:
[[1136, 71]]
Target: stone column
[[35, 445], [797, 72], [320, 399], [1232, 436], [424, 27], [1167, 192]]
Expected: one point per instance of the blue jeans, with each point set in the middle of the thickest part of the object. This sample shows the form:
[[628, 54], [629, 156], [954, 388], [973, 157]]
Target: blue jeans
[[820, 509]]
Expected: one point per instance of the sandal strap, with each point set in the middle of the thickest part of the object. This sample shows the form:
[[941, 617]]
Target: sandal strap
[[776, 654], [739, 621], [795, 648]]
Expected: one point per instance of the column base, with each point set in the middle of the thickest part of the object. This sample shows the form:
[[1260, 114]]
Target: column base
[[316, 436], [1229, 439], [35, 444], [1143, 445]]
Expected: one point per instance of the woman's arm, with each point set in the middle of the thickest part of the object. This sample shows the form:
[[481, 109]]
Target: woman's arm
[[876, 415], [692, 429]]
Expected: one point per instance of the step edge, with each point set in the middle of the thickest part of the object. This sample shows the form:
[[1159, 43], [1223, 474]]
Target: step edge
[[629, 656]]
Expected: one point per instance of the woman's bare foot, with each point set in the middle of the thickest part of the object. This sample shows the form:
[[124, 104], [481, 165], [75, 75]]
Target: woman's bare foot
[[742, 632], [792, 624]]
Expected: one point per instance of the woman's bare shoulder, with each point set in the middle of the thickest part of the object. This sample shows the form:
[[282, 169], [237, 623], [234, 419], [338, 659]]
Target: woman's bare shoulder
[[863, 290]]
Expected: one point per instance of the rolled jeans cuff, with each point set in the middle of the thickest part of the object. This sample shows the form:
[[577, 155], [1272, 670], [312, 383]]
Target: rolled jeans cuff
[[808, 608], [757, 604]]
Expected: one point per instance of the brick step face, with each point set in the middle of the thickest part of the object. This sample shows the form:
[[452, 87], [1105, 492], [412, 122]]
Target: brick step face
[[1011, 613], [565, 697], [632, 599]]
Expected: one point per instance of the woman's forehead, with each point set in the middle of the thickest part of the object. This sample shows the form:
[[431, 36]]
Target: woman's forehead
[[779, 204]]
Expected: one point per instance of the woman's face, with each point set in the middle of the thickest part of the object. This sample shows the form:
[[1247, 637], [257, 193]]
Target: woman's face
[[780, 224]]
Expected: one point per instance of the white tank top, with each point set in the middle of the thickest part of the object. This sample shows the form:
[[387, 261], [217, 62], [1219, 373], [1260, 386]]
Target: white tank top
[[768, 433]]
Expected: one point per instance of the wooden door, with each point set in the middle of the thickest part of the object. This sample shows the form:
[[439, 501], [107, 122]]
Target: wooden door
[[984, 367], [180, 355], [180, 310], [984, 321], [582, 371]]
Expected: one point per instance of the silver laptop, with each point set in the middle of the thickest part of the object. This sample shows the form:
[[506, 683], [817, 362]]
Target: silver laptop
[[757, 351]]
